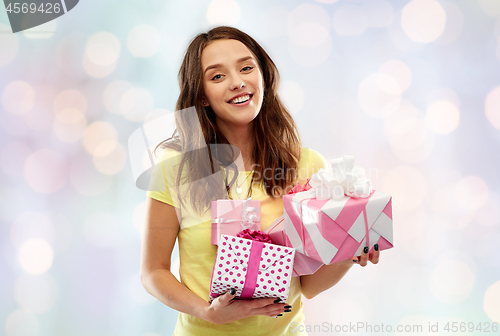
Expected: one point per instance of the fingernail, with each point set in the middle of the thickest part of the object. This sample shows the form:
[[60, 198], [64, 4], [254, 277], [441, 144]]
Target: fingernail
[[287, 307], [277, 300], [376, 247], [232, 291], [279, 315], [365, 249], [354, 260], [288, 310]]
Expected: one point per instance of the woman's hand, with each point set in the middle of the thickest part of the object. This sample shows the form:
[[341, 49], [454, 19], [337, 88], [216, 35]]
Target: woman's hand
[[373, 257], [224, 309]]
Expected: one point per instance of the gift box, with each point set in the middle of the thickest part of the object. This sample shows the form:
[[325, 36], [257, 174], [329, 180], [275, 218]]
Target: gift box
[[339, 215], [303, 265], [232, 216], [253, 268]]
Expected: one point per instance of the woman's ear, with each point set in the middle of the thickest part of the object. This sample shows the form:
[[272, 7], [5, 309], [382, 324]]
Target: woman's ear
[[204, 102]]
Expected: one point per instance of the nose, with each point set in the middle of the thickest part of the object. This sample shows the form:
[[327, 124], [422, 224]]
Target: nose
[[237, 83]]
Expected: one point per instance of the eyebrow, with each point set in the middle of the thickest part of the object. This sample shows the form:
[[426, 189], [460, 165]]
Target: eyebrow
[[214, 66]]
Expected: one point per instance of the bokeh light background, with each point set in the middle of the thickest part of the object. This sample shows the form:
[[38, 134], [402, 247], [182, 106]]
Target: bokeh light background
[[410, 88]]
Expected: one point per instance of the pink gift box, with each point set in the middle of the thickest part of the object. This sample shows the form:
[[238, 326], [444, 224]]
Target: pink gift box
[[303, 264], [333, 230], [232, 216], [254, 269]]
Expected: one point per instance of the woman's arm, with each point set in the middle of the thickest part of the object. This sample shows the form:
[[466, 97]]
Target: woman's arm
[[158, 240]]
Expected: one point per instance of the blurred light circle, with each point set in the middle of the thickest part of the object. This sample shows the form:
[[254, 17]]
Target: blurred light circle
[[308, 12], [157, 113], [113, 94], [493, 107], [138, 293], [309, 35], [113, 161], [31, 225], [9, 43], [399, 180], [101, 229], [451, 281], [43, 31], [46, 171], [310, 57], [18, 97], [454, 23], [136, 103], [223, 12], [274, 21], [446, 94], [349, 19], [491, 300], [399, 71], [379, 13], [379, 95], [293, 96], [442, 117], [489, 213], [423, 20], [22, 323], [103, 49], [70, 99], [98, 133], [143, 41], [411, 288], [86, 179], [97, 71], [35, 256], [36, 293], [13, 157], [69, 125], [139, 216], [471, 192], [490, 7]]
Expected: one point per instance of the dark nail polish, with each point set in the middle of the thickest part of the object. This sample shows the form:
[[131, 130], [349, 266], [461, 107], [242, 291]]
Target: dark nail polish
[[365, 249], [376, 247], [277, 300], [279, 315], [354, 260], [287, 307], [288, 310], [232, 291]]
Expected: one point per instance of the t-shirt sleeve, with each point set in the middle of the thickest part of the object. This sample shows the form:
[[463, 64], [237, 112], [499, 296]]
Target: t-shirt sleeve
[[163, 177], [310, 163]]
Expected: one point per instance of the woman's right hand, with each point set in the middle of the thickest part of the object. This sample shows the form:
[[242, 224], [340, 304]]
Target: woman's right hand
[[224, 309]]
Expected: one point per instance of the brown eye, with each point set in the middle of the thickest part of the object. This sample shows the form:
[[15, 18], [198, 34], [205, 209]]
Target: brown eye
[[216, 77]]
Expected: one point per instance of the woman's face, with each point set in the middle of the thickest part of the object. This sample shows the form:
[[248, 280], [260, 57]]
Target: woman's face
[[232, 82]]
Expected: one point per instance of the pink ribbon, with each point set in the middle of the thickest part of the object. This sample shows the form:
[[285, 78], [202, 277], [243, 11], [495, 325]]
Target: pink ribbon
[[252, 270]]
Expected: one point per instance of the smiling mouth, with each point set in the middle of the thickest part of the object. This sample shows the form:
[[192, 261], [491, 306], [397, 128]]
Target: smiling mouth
[[240, 100]]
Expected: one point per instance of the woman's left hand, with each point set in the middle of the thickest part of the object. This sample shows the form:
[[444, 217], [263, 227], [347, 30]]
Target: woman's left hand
[[365, 256]]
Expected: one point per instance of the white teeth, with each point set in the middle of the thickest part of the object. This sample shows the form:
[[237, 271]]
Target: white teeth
[[240, 99]]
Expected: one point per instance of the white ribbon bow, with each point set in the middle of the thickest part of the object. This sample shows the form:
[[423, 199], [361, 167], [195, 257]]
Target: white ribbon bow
[[345, 179], [249, 215]]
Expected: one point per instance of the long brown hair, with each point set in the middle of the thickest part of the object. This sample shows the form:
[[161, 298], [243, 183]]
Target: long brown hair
[[277, 141]]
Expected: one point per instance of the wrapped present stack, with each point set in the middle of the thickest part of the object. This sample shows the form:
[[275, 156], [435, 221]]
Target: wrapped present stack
[[255, 268], [337, 214]]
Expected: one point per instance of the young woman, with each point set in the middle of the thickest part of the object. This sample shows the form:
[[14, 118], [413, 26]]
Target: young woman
[[232, 84]]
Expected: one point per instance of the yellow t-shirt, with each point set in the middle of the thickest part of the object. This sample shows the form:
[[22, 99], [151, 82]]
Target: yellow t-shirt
[[197, 254]]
